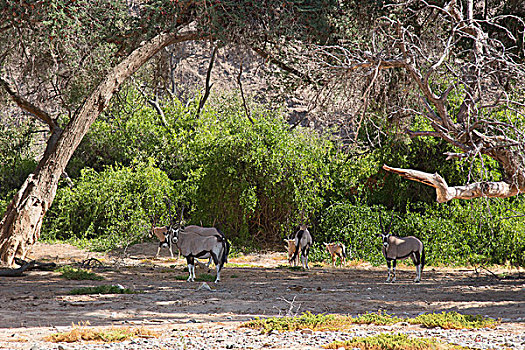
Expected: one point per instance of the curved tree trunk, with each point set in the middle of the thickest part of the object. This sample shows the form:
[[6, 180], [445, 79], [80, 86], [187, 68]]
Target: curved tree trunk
[[21, 223]]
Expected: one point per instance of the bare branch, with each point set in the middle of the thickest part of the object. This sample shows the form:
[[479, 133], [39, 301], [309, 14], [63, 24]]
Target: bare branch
[[30, 107], [239, 81], [445, 193], [282, 65], [208, 77]]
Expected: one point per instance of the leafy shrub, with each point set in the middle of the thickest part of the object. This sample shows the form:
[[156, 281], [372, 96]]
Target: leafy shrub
[[454, 320], [113, 208], [390, 341], [355, 226], [327, 322], [453, 233], [306, 320], [71, 273], [16, 156], [250, 179]]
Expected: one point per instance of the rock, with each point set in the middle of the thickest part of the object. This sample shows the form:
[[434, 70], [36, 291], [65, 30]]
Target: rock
[[205, 286]]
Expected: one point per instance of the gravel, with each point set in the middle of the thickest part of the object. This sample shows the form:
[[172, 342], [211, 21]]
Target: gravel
[[231, 336]]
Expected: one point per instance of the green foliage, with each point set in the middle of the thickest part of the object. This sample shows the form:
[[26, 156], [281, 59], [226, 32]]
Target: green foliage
[[16, 157], [114, 207], [390, 341], [378, 318], [306, 320], [324, 322], [454, 320], [250, 179], [453, 233], [103, 289], [72, 273], [355, 226]]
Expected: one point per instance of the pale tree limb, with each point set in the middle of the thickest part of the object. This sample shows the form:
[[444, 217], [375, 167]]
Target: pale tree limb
[[445, 193], [30, 107]]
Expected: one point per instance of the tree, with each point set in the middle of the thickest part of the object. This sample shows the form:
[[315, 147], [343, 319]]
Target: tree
[[62, 61], [452, 70]]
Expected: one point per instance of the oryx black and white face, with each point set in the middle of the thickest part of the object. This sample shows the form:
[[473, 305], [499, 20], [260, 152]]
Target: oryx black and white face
[[385, 239], [174, 233]]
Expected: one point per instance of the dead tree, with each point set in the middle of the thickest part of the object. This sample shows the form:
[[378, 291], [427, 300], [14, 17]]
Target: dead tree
[[463, 69]]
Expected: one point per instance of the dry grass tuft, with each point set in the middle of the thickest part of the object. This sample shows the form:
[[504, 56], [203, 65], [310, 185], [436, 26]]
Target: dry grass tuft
[[83, 332]]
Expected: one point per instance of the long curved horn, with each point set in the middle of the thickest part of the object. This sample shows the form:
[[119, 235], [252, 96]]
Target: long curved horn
[[390, 224], [168, 201], [381, 223], [181, 215]]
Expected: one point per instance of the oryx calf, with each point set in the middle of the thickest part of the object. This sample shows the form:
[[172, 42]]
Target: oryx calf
[[162, 233], [399, 248], [303, 241], [336, 250], [202, 242], [290, 248]]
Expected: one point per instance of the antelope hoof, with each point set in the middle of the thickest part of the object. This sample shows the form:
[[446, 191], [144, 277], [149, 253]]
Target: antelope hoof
[[417, 280], [190, 279]]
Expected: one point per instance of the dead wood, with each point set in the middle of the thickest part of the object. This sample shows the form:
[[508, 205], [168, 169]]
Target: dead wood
[[17, 272]]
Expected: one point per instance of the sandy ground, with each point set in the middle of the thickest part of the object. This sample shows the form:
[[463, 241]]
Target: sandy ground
[[38, 303]]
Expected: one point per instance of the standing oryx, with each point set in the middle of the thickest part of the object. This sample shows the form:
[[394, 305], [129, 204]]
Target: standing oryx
[[201, 242], [336, 250], [399, 248], [163, 235], [303, 242], [290, 249]]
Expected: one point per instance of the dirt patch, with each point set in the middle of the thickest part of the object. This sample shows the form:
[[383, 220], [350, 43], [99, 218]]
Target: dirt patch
[[255, 285]]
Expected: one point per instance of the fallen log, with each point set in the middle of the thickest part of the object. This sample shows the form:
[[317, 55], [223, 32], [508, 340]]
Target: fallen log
[[37, 265], [17, 272]]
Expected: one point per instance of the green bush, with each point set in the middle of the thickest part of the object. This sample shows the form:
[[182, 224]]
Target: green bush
[[453, 233], [252, 180], [16, 157], [72, 273], [112, 208]]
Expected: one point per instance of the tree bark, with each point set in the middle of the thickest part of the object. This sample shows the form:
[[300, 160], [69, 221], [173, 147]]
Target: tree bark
[[445, 193], [22, 221]]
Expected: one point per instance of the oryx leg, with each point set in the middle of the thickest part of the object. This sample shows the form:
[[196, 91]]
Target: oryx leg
[[304, 257], [158, 252], [394, 262], [191, 268], [389, 273], [217, 255], [416, 258]]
